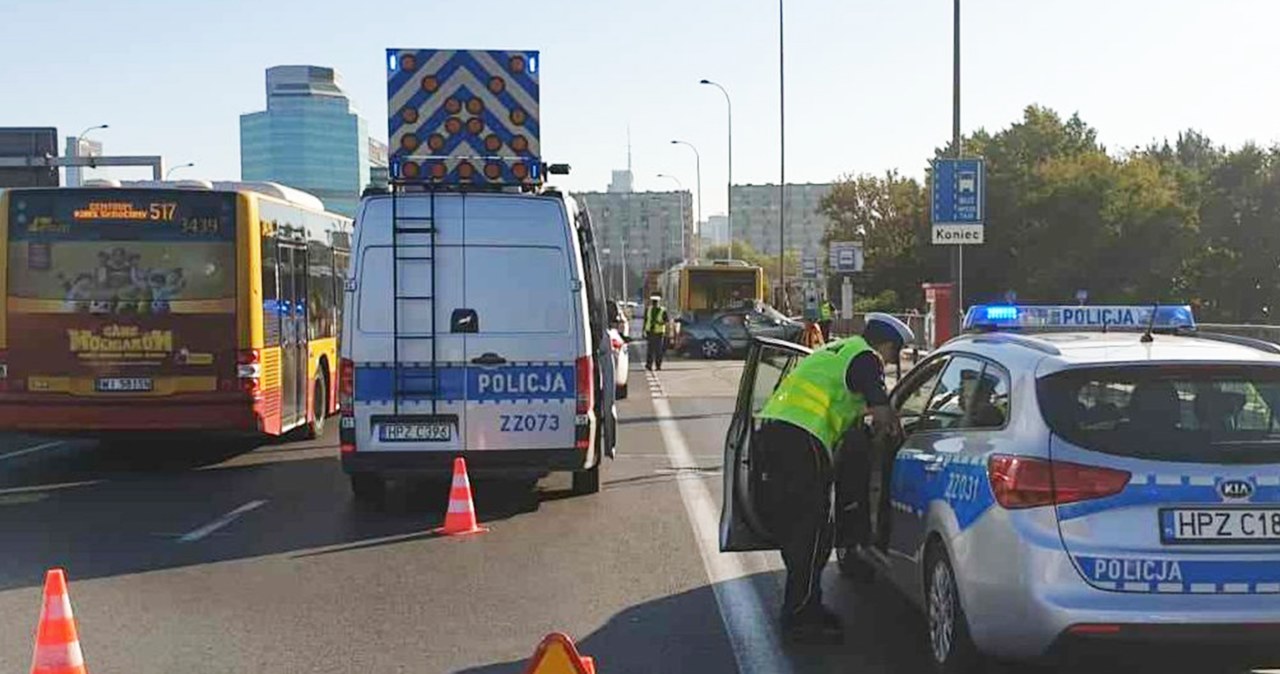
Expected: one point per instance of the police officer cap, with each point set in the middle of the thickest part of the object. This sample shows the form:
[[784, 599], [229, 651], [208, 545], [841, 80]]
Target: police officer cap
[[655, 298], [885, 328]]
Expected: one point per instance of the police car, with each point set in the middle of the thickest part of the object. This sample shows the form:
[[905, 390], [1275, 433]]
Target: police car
[[1068, 475]]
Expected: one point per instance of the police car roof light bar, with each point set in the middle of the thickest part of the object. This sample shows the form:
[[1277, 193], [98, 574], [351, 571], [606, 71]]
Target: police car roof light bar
[[1013, 317]]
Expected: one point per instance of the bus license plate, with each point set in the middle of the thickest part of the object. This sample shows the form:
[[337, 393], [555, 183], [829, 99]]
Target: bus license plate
[[416, 431], [123, 384], [1220, 525]]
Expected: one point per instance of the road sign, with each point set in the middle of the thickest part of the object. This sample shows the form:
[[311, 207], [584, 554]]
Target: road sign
[[809, 266], [464, 116], [959, 201], [845, 257]]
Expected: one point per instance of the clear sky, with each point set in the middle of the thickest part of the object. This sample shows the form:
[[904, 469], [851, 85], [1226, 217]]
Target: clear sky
[[868, 81]]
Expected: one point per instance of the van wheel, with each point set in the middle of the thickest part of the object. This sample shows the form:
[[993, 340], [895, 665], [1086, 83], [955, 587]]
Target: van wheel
[[587, 481], [711, 349], [950, 646], [621, 392], [319, 409], [368, 488]]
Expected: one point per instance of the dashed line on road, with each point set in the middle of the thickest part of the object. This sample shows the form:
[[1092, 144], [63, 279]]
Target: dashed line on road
[[197, 534], [31, 450], [655, 384], [756, 646]]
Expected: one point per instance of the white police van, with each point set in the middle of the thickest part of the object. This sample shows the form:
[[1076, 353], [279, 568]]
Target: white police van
[[475, 326]]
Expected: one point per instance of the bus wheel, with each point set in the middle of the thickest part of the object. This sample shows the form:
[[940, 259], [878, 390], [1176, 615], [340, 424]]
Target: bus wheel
[[319, 408]]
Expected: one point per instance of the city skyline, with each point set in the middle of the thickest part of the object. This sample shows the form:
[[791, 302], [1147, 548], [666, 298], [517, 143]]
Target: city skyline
[[868, 84]]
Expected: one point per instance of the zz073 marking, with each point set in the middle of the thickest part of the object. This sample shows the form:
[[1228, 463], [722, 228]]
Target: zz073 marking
[[529, 423]]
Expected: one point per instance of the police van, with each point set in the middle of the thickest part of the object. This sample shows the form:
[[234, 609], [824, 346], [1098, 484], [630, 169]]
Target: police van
[[475, 322]]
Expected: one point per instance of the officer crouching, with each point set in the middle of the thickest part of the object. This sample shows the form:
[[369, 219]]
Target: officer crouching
[[825, 394]]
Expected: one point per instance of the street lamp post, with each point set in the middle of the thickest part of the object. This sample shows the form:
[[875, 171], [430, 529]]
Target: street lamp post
[[79, 171], [782, 162], [956, 142], [698, 164], [179, 166], [680, 185], [728, 102]]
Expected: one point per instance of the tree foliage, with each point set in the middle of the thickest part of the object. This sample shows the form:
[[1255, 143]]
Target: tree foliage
[[1181, 221]]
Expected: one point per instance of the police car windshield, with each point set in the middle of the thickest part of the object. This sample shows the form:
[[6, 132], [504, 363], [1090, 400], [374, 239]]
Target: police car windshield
[[1206, 413]]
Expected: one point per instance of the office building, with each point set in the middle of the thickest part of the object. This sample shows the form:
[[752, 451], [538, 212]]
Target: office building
[[623, 181], [755, 217], [80, 147], [651, 229], [379, 171], [715, 231], [309, 137]]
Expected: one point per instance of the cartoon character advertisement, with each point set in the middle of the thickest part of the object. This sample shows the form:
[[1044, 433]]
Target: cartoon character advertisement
[[101, 287]]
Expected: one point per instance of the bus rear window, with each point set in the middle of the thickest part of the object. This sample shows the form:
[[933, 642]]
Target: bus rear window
[[121, 251], [1213, 413]]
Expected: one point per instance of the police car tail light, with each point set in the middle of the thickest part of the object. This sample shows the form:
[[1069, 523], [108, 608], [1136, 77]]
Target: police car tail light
[[1024, 482]]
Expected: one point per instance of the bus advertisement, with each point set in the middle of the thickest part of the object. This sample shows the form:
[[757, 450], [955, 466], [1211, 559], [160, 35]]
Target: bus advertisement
[[704, 288], [154, 309]]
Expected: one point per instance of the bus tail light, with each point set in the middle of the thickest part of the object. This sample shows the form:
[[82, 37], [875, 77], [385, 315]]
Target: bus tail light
[[249, 371], [585, 377], [1024, 482], [346, 406], [4, 369]]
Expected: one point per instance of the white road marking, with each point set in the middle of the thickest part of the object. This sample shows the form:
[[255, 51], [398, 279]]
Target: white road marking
[[223, 521], [756, 646], [48, 487], [31, 450]]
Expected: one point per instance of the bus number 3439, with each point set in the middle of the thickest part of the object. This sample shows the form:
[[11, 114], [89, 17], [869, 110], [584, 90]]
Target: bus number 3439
[[529, 423]]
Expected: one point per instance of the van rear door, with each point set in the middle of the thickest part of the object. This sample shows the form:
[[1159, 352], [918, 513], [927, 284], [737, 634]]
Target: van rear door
[[410, 380], [524, 338]]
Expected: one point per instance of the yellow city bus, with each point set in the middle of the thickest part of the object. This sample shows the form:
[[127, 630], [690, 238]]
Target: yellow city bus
[[708, 287], [157, 308]]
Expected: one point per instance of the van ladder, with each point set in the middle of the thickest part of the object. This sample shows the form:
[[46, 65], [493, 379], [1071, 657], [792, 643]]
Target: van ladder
[[412, 384]]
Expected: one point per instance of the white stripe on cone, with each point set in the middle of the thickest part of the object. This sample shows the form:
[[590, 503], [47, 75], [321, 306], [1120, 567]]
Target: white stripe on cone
[[460, 480], [458, 506], [55, 657], [57, 607]]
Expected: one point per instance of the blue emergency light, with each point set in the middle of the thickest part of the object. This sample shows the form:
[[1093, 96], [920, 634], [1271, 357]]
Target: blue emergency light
[[987, 317]]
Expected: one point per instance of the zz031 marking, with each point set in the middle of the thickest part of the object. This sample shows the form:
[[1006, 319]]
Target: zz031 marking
[[962, 487], [528, 423]]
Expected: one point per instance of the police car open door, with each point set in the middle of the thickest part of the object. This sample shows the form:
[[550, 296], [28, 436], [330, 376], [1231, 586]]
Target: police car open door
[[741, 526]]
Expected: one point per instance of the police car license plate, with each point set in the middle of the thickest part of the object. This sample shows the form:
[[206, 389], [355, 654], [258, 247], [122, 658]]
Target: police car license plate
[[123, 384], [431, 430], [1220, 525]]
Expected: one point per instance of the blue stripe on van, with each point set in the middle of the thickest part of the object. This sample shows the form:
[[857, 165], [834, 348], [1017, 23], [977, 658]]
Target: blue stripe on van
[[374, 382]]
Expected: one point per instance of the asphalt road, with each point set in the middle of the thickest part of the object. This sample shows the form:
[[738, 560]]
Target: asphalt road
[[232, 558]]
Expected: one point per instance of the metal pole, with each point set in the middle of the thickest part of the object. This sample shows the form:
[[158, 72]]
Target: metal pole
[[782, 161], [179, 166], [697, 156], [956, 145], [680, 194], [623, 245], [729, 207]]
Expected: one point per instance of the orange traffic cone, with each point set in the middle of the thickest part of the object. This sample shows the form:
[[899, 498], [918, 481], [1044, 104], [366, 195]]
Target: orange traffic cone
[[460, 520], [57, 644], [557, 654]]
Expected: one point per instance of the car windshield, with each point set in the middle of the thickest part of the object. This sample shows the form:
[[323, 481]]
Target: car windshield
[[1204, 413]]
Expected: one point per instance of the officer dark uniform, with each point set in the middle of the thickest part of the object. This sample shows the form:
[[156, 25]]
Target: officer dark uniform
[[805, 419], [655, 333]]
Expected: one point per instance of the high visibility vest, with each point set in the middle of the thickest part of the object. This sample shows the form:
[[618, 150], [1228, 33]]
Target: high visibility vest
[[826, 311], [655, 321], [814, 395]]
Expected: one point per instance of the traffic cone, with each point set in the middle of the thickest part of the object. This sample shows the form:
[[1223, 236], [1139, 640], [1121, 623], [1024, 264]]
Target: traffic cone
[[57, 644], [460, 520], [557, 654]]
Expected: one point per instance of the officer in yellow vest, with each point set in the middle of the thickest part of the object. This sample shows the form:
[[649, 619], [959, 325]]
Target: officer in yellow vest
[[655, 333], [826, 313], [804, 421]]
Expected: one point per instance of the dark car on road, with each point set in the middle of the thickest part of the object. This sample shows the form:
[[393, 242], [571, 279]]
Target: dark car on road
[[728, 333]]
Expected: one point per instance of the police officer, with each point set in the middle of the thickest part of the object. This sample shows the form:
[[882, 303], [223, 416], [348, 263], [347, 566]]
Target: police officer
[[804, 421], [826, 312], [655, 332]]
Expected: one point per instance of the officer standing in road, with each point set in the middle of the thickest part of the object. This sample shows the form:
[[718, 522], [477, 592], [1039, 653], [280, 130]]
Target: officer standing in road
[[804, 421], [826, 312], [655, 333]]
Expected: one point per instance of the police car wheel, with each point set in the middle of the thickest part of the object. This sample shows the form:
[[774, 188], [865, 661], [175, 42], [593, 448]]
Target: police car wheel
[[853, 566], [586, 481], [711, 349], [949, 643]]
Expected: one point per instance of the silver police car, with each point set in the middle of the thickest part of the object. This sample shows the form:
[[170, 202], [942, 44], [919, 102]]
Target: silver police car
[[1068, 475]]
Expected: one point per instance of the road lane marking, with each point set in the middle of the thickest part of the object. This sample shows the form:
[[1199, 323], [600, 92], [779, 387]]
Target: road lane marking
[[223, 521], [31, 450], [756, 646], [48, 487]]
